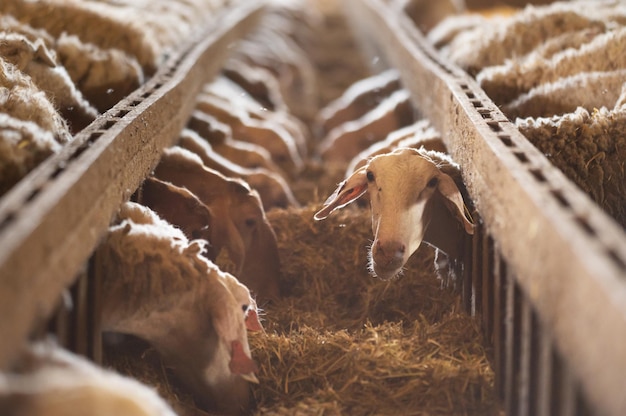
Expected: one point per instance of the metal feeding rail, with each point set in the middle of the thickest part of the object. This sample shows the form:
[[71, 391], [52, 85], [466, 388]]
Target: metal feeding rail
[[547, 272], [51, 222]]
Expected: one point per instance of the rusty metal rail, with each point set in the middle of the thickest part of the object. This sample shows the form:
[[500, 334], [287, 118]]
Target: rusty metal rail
[[51, 221], [548, 267]]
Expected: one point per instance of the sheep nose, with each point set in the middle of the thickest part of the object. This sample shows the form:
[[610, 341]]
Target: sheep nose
[[390, 251]]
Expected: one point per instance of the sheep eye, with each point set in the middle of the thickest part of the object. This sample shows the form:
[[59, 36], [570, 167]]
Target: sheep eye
[[245, 308], [250, 222], [370, 176], [433, 182]]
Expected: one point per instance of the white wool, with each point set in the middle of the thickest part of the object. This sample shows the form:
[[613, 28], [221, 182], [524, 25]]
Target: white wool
[[20, 98], [60, 383], [23, 145]]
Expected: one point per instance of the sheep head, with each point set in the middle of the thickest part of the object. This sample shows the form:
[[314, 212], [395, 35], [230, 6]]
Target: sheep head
[[412, 196]]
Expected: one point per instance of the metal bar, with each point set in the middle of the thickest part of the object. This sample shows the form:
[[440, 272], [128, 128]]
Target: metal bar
[[525, 349], [75, 193]]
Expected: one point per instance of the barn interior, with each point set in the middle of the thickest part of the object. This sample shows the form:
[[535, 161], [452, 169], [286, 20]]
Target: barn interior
[[527, 99]]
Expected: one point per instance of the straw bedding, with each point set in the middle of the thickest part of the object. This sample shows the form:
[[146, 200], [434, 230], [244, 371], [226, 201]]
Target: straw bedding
[[342, 342]]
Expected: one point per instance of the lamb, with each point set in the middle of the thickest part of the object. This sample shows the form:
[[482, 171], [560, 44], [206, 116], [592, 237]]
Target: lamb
[[158, 287], [415, 196], [49, 380], [251, 240], [347, 140], [273, 189]]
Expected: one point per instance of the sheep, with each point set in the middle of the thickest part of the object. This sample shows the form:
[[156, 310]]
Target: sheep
[[104, 76], [590, 148], [358, 99], [416, 135], [219, 136], [229, 91], [49, 380], [115, 28], [23, 145], [604, 53], [262, 132], [504, 38], [415, 196], [426, 14], [251, 239], [158, 287], [283, 57], [180, 208], [21, 99], [258, 82], [39, 63], [272, 188], [587, 89], [348, 139]]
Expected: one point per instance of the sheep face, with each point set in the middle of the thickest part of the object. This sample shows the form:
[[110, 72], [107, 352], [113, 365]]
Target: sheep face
[[407, 192]]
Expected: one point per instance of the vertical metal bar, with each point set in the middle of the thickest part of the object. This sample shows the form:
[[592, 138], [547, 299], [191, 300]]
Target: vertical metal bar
[[487, 309], [525, 345], [544, 371], [468, 260], [499, 289], [95, 331], [79, 315], [509, 345], [477, 270], [565, 386]]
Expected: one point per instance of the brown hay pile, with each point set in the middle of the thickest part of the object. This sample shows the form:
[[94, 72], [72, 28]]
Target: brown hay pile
[[342, 342]]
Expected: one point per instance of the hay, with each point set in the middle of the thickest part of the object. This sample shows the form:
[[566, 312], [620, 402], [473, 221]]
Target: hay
[[342, 342]]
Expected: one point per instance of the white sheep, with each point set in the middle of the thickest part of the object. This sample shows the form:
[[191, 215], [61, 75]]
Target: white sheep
[[20, 98], [415, 196], [359, 98], [505, 82], [48, 380], [34, 59], [157, 286], [271, 186], [345, 141], [266, 133], [219, 135], [588, 90], [23, 145], [246, 234]]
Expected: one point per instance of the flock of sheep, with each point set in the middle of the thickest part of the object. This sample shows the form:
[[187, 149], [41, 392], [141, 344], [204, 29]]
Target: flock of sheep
[[558, 71], [194, 244]]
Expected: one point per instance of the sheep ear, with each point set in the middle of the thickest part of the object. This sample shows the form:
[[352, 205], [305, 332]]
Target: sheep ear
[[454, 201], [347, 191]]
